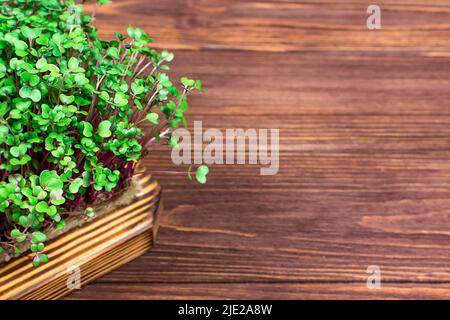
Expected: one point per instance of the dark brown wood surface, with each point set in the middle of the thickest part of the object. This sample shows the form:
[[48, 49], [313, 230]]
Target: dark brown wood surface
[[364, 119]]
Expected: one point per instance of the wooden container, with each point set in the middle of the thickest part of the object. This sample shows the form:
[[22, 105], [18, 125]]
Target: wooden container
[[85, 253]]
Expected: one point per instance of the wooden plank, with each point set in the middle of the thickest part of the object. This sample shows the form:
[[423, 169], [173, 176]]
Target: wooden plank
[[289, 89], [364, 130], [280, 26], [267, 291], [362, 186], [96, 248]]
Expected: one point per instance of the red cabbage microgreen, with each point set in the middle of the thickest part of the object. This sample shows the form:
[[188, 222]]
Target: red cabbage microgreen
[[72, 108]]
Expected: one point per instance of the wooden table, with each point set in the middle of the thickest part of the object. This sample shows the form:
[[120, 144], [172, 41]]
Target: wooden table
[[364, 119]]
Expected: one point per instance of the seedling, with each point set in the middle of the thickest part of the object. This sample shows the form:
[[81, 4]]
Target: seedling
[[72, 114]]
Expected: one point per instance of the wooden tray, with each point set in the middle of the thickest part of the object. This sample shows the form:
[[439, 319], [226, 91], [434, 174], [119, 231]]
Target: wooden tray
[[88, 252]]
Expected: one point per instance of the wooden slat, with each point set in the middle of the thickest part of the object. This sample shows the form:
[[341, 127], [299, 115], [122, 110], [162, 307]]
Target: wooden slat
[[96, 248]]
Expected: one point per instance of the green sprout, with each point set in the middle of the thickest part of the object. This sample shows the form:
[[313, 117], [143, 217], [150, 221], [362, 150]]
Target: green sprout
[[73, 109]]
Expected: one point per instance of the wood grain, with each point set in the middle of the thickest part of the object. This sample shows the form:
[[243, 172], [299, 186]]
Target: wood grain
[[365, 151], [95, 249], [266, 291]]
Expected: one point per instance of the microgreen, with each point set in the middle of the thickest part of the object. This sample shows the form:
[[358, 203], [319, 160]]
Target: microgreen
[[201, 174], [73, 109]]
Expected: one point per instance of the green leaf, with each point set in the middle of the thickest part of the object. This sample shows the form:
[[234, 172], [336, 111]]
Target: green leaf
[[153, 118], [15, 114], [173, 142], [137, 89], [23, 105], [41, 64], [74, 187], [66, 99], [203, 170], [131, 32], [56, 197], [33, 94], [187, 82], [88, 130], [38, 236], [119, 36], [198, 85], [61, 225], [73, 63], [15, 152], [104, 96], [32, 79], [201, 174], [19, 151], [43, 39], [138, 104], [30, 33], [52, 211], [21, 53], [102, 2], [168, 56], [120, 99], [25, 92], [50, 180], [36, 95], [104, 129], [23, 221], [44, 258], [42, 207], [3, 130], [34, 247], [15, 233], [113, 53], [21, 45], [200, 179]]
